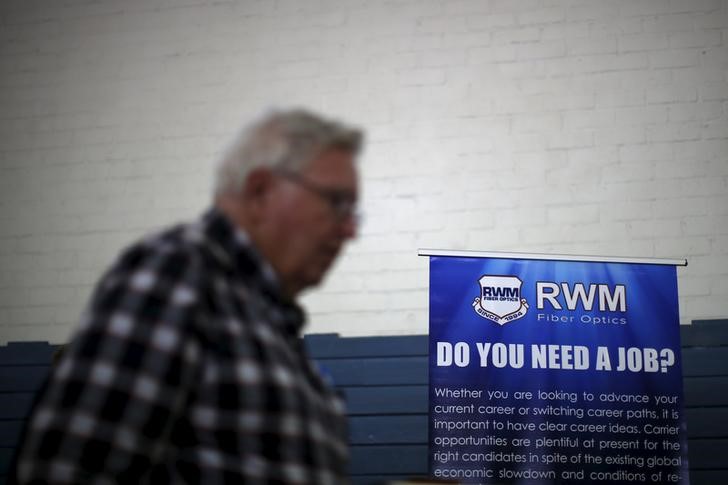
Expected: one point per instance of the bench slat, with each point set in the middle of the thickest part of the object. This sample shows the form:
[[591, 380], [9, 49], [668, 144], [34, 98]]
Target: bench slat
[[15, 405], [705, 333], [388, 429], [22, 378], [377, 479], [706, 361], [707, 422], [10, 433], [377, 371], [395, 459], [27, 353], [327, 346], [386, 400], [708, 477], [708, 454], [705, 391], [6, 454]]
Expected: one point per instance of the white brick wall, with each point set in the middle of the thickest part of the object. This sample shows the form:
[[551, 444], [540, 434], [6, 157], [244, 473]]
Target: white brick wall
[[577, 126]]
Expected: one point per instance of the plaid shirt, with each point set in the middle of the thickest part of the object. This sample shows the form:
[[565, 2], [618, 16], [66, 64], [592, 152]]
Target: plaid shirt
[[188, 368]]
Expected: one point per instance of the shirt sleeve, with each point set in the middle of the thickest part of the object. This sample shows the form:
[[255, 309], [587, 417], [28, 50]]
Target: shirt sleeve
[[110, 405]]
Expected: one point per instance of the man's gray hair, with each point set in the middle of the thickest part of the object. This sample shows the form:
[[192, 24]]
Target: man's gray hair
[[282, 140]]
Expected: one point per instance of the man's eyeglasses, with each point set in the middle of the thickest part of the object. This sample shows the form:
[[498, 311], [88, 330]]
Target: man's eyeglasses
[[342, 202]]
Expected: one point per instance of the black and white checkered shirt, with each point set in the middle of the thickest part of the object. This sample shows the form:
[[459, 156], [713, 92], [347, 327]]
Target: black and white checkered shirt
[[188, 368]]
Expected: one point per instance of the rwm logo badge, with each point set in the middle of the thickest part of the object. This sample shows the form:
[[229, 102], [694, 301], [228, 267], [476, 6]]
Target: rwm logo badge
[[500, 299]]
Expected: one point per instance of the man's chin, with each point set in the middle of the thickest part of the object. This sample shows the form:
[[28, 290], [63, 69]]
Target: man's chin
[[317, 276]]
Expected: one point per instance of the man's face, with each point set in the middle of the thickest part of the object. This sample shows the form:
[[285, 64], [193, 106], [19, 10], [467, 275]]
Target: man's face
[[309, 216]]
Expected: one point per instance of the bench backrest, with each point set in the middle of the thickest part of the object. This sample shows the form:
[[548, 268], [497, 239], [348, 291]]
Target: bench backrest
[[385, 381]]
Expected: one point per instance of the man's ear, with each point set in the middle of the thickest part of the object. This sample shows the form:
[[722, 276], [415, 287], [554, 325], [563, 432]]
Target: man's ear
[[257, 189]]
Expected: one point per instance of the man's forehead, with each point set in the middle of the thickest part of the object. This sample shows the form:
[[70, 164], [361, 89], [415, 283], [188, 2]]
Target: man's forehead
[[332, 162]]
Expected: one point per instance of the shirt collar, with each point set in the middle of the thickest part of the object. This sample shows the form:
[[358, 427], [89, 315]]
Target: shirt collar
[[232, 246]]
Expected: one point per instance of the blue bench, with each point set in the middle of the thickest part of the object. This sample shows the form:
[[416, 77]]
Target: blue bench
[[385, 381]]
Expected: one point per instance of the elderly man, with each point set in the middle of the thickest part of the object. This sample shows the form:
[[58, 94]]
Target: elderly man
[[188, 366]]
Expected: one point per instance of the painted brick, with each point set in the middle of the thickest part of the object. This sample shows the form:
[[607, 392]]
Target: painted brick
[[441, 58], [714, 91], [422, 77], [690, 130], [469, 7], [523, 69], [595, 45], [691, 286], [719, 243], [708, 6], [542, 16], [628, 211], [654, 229], [646, 152], [514, 5], [591, 11], [695, 111], [695, 38], [397, 280], [675, 58], [515, 125], [674, 22], [442, 24], [719, 288], [598, 119], [496, 239], [590, 233], [514, 35], [569, 31], [521, 216], [672, 94], [711, 20], [685, 169], [537, 123], [641, 115], [714, 129], [620, 136], [682, 207], [572, 139], [541, 50], [706, 225], [573, 215], [612, 24], [643, 42], [491, 21], [644, 7]]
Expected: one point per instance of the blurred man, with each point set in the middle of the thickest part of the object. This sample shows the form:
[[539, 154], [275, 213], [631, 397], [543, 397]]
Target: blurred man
[[189, 366]]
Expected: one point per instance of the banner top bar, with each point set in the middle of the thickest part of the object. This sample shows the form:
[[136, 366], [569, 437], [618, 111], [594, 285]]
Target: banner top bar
[[551, 257]]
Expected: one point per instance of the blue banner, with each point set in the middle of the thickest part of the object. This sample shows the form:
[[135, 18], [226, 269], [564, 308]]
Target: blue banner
[[545, 372]]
